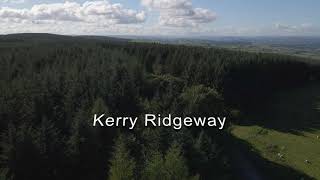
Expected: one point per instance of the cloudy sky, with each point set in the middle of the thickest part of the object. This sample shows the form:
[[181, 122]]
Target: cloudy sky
[[162, 17]]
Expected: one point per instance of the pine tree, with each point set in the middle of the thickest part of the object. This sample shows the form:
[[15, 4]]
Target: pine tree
[[122, 166], [175, 164], [8, 143], [20, 156], [51, 148], [170, 167], [155, 169], [99, 107]]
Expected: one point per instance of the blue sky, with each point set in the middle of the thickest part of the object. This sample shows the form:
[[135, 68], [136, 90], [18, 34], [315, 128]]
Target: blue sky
[[162, 17]]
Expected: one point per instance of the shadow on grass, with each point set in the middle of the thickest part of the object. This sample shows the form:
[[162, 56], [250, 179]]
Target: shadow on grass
[[247, 164], [291, 111]]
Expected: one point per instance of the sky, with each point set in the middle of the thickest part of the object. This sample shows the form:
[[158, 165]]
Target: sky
[[162, 17]]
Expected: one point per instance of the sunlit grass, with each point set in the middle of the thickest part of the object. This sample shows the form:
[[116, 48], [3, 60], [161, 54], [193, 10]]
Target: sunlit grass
[[287, 131], [301, 152]]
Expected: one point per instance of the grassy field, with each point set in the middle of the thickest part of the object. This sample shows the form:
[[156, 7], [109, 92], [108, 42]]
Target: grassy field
[[289, 130], [313, 54]]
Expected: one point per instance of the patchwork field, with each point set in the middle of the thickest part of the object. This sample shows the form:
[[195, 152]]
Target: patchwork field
[[289, 132]]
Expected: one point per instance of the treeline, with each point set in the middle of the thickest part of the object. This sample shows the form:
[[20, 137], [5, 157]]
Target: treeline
[[50, 91]]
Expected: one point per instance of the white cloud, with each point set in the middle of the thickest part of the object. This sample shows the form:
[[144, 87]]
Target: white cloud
[[179, 13], [285, 27], [167, 4], [302, 29], [113, 12], [103, 17], [12, 1], [94, 12], [13, 14]]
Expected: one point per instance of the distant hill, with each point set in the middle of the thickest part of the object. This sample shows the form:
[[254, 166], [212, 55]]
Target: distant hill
[[306, 47], [45, 37]]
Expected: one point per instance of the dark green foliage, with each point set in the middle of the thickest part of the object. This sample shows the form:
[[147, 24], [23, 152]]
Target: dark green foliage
[[86, 148], [50, 87], [201, 101], [122, 165], [99, 107], [172, 166], [175, 164], [21, 153]]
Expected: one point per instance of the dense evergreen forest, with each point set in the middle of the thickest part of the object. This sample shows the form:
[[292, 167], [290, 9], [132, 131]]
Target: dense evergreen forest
[[50, 86]]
